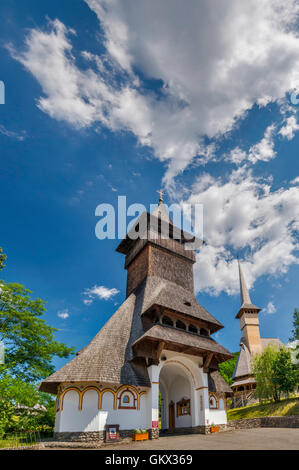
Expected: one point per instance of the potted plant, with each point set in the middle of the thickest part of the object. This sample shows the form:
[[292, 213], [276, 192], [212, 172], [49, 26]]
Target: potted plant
[[214, 428], [140, 435]]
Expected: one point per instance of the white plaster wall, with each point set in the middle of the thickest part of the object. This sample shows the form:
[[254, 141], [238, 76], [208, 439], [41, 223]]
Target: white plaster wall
[[127, 419], [180, 388], [153, 395], [89, 419], [217, 417], [70, 419]]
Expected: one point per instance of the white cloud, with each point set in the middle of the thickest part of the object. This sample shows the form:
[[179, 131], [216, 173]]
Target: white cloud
[[291, 126], [243, 215], [63, 314], [295, 181], [214, 59], [99, 292], [264, 150], [11, 134], [261, 151], [270, 309]]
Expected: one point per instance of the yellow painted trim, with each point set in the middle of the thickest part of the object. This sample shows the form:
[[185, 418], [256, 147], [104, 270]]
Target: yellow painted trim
[[91, 388], [201, 388], [213, 394], [69, 390], [115, 394]]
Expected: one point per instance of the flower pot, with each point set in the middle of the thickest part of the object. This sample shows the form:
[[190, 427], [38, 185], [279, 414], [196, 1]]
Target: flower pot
[[214, 428], [141, 437]]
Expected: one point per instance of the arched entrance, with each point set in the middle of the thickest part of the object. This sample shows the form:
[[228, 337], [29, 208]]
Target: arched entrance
[[176, 400]]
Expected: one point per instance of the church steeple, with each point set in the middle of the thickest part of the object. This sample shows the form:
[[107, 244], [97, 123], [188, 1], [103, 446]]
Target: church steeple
[[156, 247], [248, 316], [245, 297], [246, 303]]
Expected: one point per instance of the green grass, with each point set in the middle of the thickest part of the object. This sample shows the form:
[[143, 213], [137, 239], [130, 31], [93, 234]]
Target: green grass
[[22, 440], [285, 407], [4, 443]]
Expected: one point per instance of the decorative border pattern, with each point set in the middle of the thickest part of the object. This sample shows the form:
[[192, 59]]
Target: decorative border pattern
[[217, 397], [137, 395]]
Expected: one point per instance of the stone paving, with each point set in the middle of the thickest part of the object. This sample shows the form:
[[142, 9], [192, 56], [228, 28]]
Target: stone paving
[[241, 439], [247, 439]]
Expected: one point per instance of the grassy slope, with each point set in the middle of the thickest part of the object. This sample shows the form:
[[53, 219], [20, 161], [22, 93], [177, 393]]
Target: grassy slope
[[283, 408]]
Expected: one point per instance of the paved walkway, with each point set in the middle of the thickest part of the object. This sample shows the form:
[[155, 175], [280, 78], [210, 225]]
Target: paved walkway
[[243, 439]]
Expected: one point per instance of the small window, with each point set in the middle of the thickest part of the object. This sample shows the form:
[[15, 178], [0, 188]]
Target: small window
[[204, 332], [213, 402], [180, 325], [126, 399], [183, 407], [193, 329], [167, 321], [188, 304]]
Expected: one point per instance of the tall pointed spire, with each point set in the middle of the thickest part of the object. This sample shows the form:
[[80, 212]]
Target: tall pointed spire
[[245, 297]]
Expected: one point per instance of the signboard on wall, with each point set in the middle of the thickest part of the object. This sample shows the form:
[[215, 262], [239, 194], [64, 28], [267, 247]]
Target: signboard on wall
[[112, 433]]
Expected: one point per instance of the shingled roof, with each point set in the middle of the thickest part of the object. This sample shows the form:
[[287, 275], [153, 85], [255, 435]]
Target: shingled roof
[[243, 364], [109, 356], [184, 338], [169, 295], [217, 384]]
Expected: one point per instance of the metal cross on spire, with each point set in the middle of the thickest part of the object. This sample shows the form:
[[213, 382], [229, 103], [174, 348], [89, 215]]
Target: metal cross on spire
[[160, 192]]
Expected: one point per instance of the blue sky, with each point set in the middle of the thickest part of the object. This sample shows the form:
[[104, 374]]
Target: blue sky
[[104, 100]]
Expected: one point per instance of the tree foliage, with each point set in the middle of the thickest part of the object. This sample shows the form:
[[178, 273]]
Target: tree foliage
[[28, 339], [285, 374], [227, 368], [29, 349], [274, 373], [262, 368], [2, 259], [295, 330], [295, 333]]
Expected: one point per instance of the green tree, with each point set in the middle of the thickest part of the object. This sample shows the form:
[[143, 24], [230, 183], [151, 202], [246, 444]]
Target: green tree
[[227, 368], [285, 374], [295, 330], [2, 259], [29, 349], [29, 341], [262, 368]]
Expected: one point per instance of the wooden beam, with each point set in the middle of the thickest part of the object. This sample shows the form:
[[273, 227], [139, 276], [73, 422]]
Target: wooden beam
[[207, 362], [160, 349]]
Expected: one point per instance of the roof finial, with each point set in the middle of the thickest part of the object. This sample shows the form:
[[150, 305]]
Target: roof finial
[[160, 192]]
